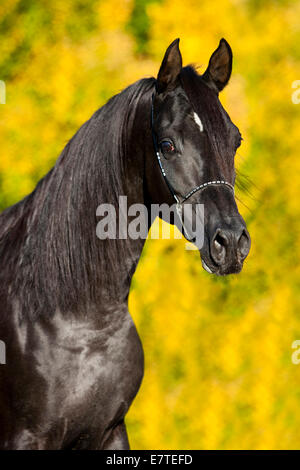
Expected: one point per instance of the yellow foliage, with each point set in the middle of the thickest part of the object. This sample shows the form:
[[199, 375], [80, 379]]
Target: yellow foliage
[[218, 352]]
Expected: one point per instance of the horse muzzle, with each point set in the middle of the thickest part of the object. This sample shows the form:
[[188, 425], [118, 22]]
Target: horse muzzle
[[225, 251]]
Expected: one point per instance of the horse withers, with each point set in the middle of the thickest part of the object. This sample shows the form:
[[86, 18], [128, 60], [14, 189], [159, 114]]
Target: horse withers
[[74, 361]]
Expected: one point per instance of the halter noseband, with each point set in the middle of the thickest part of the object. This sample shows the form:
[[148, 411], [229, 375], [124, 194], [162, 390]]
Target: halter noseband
[[193, 191]]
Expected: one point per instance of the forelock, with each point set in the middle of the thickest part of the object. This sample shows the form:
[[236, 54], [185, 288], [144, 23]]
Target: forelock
[[205, 103]]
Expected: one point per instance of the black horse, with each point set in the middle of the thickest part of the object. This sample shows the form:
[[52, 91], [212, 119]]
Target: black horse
[[74, 361]]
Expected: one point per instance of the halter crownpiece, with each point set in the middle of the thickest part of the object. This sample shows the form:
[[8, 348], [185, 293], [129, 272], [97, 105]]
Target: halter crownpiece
[[194, 190]]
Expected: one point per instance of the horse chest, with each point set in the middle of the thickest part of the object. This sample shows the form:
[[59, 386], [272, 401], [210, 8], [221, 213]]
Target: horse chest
[[88, 374]]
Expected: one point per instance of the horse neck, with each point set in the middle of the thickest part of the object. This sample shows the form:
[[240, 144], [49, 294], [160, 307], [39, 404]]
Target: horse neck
[[71, 268]]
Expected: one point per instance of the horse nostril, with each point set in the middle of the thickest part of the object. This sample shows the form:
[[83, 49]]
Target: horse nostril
[[230, 245], [244, 244], [218, 247], [220, 241]]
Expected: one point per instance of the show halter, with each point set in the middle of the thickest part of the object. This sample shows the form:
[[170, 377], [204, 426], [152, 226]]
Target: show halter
[[201, 187]]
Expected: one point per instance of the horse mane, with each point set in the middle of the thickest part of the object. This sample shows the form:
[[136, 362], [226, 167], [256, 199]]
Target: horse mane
[[43, 263]]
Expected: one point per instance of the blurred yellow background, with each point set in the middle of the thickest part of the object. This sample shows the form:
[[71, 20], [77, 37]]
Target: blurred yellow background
[[219, 373]]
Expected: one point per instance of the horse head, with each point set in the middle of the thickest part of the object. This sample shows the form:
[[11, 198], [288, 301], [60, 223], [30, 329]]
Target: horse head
[[195, 142]]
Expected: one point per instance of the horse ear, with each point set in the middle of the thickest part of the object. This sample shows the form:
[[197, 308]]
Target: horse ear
[[220, 66], [170, 68]]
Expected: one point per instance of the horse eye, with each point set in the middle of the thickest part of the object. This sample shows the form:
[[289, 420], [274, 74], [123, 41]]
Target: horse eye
[[166, 146]]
